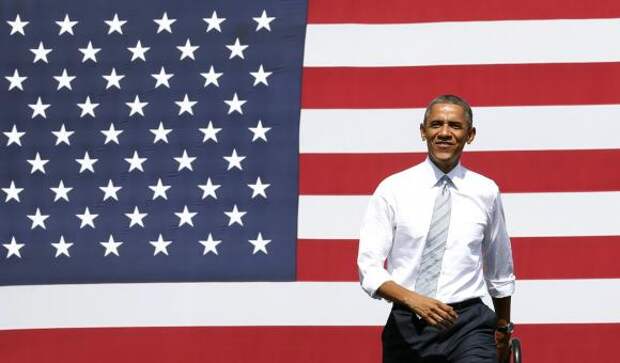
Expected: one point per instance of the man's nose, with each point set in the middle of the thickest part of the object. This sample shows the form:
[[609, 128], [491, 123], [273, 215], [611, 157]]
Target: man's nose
[[444, 131]]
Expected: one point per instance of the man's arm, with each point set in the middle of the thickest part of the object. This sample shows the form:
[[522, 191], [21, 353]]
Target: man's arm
[[502, 340], [431, 310], [499, 274], [502, 310]]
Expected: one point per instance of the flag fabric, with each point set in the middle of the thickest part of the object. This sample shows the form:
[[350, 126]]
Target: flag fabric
[[150, 148], [247, 252]]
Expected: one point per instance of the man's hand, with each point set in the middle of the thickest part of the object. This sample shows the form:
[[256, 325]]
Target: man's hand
[[502, 342], [434, 312]]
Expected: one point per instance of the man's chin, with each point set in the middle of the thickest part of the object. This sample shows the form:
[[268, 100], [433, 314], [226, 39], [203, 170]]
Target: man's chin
[[443, 157]]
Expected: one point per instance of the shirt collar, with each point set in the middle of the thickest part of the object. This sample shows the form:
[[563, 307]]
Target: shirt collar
[[433, 174]]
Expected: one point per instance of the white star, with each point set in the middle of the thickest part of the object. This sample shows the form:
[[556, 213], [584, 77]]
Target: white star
[[64, 80], [186, 105], [162, 78], [86, 163], [16, 80], [136, 106], [40, 53], [116, 25], [111, 134], [135, 162], [164, 23], [160, 133], [138, 51], [210, 132], [259, 244], [110, 190], [38, 109], [235, 216], [185, 161], [38, 219], [185, 217], [63, 135], [88, 108], [13, 248], [62, 247], [258, 188], [234, 105], [89, 52], [17, 25], [210, 245], [209, 189], [211, 77], [15, 137], [214, 22], [12, 192], [263, 22], [87, 219], [111, 246], [66, 25], [187, 50], [260, 76], [234, 160], [160, 245], [236, 50], [136, 217], [259, 131], [61, 191], [159, 190], [113, 79], [37, 164]]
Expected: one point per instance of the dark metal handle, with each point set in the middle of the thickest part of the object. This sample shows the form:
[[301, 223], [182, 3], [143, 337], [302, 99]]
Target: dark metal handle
[[515, 348]]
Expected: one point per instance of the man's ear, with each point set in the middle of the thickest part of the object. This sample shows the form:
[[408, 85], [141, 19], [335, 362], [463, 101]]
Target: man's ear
[[422, 131], [472, 135]]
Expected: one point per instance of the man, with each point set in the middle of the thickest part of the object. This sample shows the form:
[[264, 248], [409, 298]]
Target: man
[[441, 229]]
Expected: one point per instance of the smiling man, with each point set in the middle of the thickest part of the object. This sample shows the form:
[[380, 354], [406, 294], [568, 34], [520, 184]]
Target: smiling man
[[441, 229]]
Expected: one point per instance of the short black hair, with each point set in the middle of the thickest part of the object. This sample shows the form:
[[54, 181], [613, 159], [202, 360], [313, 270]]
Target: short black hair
[[453, 100]]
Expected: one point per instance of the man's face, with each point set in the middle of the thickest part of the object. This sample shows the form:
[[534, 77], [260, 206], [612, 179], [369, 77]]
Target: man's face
[[446, 131]]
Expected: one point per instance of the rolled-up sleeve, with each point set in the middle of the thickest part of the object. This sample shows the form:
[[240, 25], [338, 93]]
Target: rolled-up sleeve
[[375, 242], [497, 254]]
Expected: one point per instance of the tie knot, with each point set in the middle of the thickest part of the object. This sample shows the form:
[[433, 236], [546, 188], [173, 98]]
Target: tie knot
[[444, 183]]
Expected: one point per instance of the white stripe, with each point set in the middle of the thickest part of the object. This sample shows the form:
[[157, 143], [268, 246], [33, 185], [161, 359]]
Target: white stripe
[[476, 42], [271, 304], [527, 215], [499, 128]]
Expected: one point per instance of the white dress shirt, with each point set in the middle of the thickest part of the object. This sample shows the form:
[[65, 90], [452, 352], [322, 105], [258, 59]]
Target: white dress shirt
[[397, 222]]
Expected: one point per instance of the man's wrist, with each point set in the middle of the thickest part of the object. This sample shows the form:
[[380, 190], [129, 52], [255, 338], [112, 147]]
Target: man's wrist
[[504, 327]]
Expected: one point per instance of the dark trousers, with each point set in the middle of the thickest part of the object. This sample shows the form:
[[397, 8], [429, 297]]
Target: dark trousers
[[407, 338]]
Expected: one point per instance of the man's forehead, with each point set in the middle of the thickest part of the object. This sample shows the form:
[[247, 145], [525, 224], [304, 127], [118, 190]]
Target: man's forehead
[[445, 110]]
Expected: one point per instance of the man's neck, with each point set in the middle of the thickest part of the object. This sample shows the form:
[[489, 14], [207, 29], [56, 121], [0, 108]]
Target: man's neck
[[444, 168]]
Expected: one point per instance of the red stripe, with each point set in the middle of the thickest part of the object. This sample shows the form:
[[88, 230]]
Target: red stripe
[[410, 11], [514, 171], [481, 85], [191, 345], [326, 260], [566, 343], [535, 258]]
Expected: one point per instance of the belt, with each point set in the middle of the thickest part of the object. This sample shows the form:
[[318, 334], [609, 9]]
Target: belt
[[457, 306], [466, 303]]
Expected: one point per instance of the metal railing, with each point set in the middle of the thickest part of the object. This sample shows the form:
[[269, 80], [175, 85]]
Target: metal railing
[[515, 351]]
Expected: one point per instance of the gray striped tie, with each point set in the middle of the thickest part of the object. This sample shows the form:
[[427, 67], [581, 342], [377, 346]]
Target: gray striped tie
[[430, 264]]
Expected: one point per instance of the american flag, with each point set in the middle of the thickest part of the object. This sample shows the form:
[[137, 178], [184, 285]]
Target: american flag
[[247, 252]]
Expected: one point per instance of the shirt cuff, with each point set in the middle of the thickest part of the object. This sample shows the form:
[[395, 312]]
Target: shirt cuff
[[499, 289], [371, 284]]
